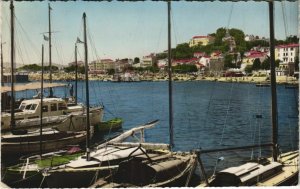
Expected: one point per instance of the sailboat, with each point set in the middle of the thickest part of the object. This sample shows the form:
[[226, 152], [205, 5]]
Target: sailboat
[[278, 170], [173, 169], [107, 160], [23, 142], [64, 115]]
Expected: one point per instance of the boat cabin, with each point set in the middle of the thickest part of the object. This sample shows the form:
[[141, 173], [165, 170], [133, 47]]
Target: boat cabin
[[30, 109], [248, 174]]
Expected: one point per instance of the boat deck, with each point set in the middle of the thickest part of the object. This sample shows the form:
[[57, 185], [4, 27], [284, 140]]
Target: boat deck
[[289, 169]]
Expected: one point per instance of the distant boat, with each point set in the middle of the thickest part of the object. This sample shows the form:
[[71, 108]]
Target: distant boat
[[263, 84]]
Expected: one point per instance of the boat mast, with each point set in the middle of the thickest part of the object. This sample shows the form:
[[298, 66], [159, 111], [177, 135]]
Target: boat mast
[[2, 77], [76, 69], [12, 58], [170, 77], [273, 82], [50, 46], [42, 95], [86, 90]]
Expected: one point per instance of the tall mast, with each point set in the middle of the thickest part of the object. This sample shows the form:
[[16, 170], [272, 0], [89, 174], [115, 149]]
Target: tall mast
[[50, 46], [2, 77], [42, 95], [87, 91], [273, 81], [170, 77], [76, 69], [12, 58]]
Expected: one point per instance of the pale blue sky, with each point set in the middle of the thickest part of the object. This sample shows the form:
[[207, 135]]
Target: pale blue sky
[[133, 29]]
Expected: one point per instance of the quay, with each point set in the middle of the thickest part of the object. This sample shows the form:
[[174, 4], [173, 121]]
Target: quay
[[60, 76]]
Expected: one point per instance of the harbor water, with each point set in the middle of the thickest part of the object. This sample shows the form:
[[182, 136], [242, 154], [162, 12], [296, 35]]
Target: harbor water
[[207, 115]]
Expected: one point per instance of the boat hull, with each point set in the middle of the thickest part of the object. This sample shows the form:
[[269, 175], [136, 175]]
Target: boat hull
[[25, 147]]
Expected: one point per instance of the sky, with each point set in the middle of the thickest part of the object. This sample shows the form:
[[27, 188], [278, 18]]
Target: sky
[[132, 29]]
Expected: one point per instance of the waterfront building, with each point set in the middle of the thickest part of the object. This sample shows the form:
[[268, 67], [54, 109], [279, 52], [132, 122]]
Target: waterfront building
[[204, 60], [148, 60], [250, 37], [162, 63], [201, 40], [250, 56], [79, 63], [287, 55], [101, 66]]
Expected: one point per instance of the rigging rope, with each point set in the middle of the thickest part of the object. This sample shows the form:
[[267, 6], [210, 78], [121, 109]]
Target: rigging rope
[[230, 14], [284, 17]]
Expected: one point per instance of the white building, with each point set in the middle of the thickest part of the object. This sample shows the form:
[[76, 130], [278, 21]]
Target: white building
[[204, 60], [162, 63], [287, 55]]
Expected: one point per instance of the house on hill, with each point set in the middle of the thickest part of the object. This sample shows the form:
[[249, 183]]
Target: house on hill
[[201, 40]]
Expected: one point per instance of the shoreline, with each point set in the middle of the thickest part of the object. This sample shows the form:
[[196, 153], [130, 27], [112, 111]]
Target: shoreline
[[176, 78]]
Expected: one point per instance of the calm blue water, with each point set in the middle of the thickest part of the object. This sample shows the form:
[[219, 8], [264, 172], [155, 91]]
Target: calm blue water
[[206, 114]]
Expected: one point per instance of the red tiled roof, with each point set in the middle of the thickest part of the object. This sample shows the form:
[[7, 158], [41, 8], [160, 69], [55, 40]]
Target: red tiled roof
[[200, 36], [106, 59], [186, 60], [256, 55], [201, 65], [288, 45]]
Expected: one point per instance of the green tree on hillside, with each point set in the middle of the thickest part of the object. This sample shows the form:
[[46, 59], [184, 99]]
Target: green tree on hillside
[[248, 69], [31, 67], [228, 61], [182, 51], [266, 64], [80, 69], [185, 68], [220, 33], [136, 60], [256, 64], [297, 63]]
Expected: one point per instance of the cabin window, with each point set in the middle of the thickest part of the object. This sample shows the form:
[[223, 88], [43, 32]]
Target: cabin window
[[33, 107], [22, 107], [45, 108], [53, 107], [62, 106], [27, 107]]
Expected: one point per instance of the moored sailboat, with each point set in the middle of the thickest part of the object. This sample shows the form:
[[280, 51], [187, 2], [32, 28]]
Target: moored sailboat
[[172, 169], [278, 170], [64, 115]]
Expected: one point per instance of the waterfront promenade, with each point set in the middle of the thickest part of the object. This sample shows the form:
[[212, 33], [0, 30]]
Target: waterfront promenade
[[163, 77]]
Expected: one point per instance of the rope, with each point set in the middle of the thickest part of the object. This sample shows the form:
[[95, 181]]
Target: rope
[[42, 181], [230, 14], [224, 126], [284, 17]]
